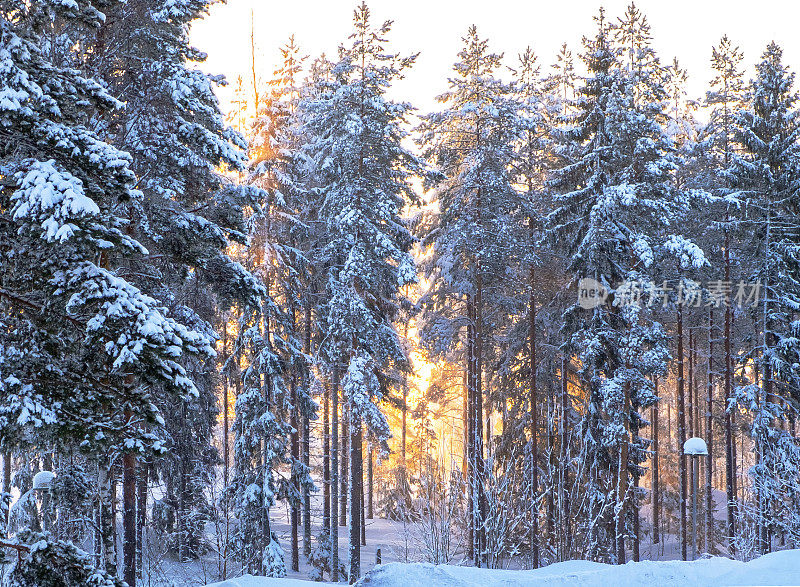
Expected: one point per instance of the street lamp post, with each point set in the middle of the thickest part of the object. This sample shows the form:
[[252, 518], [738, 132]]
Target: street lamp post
[[695, 448]]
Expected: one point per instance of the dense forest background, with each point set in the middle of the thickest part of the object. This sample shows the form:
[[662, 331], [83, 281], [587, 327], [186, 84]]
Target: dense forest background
[[230, 342]]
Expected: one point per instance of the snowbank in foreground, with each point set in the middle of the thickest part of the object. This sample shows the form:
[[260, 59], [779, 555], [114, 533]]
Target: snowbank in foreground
[[778, 568], [250, 581]]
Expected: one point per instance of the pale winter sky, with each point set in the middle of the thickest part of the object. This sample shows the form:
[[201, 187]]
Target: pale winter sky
[[683, 28]]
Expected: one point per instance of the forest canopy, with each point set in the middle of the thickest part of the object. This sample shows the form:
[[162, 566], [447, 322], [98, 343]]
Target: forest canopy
[[232, 335]]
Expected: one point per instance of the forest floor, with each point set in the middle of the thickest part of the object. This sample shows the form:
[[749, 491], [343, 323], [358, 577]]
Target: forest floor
[[398, 543], [410, 545], [403, 546], [777, 568], [406, 543]]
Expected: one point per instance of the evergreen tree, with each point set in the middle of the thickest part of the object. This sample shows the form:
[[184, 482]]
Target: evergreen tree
[[767, 177], [363, 175], [278, 362], [49, 563], [613, 214], [472, 238], [188, 216], [90, 357], [725, 98]]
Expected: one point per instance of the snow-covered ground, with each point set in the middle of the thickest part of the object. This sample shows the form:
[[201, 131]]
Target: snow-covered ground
[[778, 568]]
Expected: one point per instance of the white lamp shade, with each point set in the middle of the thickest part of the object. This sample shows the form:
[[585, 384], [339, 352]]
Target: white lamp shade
[[43, 480], [695, 446]]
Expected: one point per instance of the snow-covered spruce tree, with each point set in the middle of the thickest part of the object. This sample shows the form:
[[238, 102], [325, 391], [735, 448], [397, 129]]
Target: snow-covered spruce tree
[[278, 377], [86, 354], [613, 214], [279, 166], [261, 430], [187, 218], [261, 441], [515, 390], [470, 241], [363, 174], [766, 175], [719, 145], [49, 563]]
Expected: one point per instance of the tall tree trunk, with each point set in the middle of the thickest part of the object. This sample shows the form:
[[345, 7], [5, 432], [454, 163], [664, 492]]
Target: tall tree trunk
[[690, 426], [634, 497], [226, 449], [552, 465], [294, 422], [306, 446], [370, 487], [226, 458], [766, 395], [534, 423], [622, 479], [7, 480], [326, 458], [481, 467], [681, 434], [404, 407], [730, 472], [656, 494], [106, 530], [710, 436], [141, 514], [690, 429], [363, 517], [636, 522], [738, 461], [345, 457], [297, 497], [114, 502], [355, 496], [470, 431], [335, 476], [564, 470], [129, 515]]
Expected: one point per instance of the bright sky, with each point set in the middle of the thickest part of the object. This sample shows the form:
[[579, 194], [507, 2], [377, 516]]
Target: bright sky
[[683, 28]]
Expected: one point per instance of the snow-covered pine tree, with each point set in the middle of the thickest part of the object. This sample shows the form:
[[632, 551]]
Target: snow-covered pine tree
[[362, 176], [189, 215], [615, 205], [766, 176], [470, 242], [277, 170], [86, 354], [49, 563], [529, 164], [719, 146]]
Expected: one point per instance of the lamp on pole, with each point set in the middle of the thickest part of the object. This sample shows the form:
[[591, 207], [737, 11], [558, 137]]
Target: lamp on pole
[[695, 448]]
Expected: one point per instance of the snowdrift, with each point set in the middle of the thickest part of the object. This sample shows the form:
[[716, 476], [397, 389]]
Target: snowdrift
[[778, 568]]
